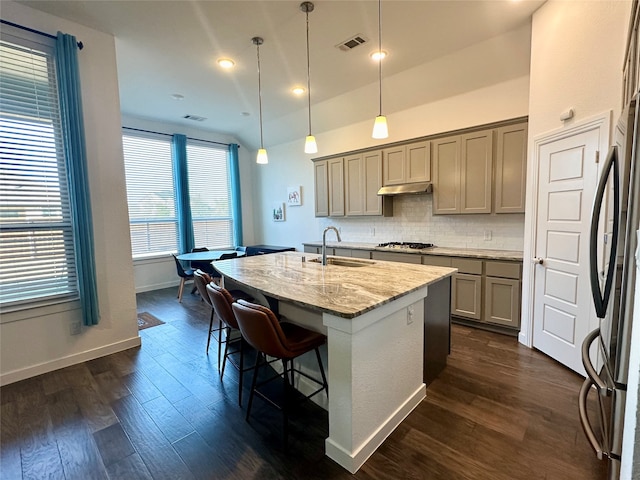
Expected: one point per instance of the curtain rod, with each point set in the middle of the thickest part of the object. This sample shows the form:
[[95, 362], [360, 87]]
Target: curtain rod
[[44, 34], [170, 135]]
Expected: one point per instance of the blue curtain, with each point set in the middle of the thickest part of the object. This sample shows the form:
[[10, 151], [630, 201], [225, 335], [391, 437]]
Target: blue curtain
[[236, 204], [183, 204], [76, 165]]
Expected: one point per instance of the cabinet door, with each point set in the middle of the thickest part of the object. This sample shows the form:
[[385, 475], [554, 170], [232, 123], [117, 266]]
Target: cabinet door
[[354, 179], [393, 166], [466, 296], [502, 301], [321, 188], [511, 168], [446, 175], [372, 181], [475, 168], [336, 187], [418, 162]]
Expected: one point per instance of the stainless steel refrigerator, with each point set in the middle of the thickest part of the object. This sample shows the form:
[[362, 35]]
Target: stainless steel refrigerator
[[605, 352]]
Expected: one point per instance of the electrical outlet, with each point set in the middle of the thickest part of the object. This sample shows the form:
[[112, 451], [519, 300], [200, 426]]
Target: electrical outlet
[[487, 235], [74, 328], [410, 313], [372, 231]]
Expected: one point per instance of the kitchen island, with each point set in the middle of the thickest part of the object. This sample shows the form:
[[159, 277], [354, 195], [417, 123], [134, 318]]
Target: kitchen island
[[372, 313]]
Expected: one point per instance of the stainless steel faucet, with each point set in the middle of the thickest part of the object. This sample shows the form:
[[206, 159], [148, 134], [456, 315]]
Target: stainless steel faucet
[[324, 242]]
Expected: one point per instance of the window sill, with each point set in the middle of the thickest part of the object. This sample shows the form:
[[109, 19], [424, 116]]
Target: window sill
[[159, 258], [25, 312]]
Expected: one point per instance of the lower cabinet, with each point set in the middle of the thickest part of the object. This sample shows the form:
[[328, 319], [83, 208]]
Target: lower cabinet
[[484, 292]]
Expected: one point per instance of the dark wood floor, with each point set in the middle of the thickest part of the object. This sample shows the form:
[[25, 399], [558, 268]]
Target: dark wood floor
[[498, 411]]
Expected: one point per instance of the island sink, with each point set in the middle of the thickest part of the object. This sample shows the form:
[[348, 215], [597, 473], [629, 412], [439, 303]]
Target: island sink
[[344, 262]]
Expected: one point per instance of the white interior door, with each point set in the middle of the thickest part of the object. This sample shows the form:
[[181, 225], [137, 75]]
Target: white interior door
[[563, 312]]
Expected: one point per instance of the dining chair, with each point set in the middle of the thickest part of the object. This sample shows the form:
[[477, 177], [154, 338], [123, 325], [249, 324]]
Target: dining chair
[[184, 276], [203, 265], [225, 256], [202, 279], [281, 340]]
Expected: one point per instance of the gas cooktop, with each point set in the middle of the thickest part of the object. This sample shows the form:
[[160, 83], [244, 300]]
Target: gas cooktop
[[411, 245]]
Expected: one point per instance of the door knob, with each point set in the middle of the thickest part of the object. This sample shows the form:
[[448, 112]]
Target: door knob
[[538, 261]]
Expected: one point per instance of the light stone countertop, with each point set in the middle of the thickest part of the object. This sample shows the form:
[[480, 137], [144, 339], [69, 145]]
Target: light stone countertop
[[486, 254], [342, 291]]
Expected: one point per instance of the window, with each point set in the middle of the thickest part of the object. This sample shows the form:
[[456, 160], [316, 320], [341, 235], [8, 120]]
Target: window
[[210, 195], [151, 194], [36, 238]]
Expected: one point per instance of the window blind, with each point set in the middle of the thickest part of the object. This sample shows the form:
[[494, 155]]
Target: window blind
[[210, 195], [151, 194], [36, 238]]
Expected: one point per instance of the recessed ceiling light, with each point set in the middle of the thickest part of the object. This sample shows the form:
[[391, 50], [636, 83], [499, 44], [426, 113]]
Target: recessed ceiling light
[[226, 62], [377, 56], [177, 96], [298, 90]]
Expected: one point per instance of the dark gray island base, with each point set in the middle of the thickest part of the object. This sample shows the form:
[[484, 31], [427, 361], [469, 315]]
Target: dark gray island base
[[437, 329]]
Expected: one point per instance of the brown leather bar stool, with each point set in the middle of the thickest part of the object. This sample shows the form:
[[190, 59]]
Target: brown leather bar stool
[[281, 340], [221, 300]]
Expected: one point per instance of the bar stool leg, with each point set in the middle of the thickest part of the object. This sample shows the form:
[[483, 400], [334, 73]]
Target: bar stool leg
[[324, 378], [226, 348], [241, 371], [210, 330], [285, 402], [253, 384]]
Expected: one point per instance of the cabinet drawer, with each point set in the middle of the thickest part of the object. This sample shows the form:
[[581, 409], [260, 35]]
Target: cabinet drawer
[[396, 257], [503, 270], [467, 265], [342, 252], [310, 249], [436, 261], [361, 253]]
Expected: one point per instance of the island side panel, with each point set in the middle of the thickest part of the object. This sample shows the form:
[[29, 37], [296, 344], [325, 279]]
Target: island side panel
[[375, 376], [437, 329]]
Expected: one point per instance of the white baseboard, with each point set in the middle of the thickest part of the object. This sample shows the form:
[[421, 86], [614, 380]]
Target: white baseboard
[[39, 369], [160, 286], [352, 461]]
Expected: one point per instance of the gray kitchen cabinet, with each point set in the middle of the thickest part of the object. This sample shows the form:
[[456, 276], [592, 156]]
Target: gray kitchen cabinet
[[311, 249], [476, 160], [466, 288], [462, 173], [342, 252], [409, 163], [363, 179], [510, 168], [395, 257], [321, 183], [502, 293], [335, 167]]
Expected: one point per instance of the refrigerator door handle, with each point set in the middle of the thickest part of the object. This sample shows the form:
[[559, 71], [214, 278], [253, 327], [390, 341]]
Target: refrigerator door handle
[[601, 298], [593, 376], [584, 419]]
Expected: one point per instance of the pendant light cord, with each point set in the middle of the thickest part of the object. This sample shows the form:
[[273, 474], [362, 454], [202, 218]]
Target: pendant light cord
[[380, 53], [260, 94], [308, 72]]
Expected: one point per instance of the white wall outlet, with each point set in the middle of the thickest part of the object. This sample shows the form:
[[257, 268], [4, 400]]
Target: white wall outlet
[[372, 231], [487, 235], [410, 312], [75, 328]]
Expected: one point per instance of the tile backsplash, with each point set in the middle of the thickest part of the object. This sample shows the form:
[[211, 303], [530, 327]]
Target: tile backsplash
[[412, 221]]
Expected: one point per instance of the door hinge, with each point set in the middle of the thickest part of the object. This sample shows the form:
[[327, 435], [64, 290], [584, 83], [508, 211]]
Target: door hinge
[[597, 156]]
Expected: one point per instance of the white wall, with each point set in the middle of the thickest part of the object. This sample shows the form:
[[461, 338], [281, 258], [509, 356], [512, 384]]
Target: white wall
[[37, 340], [160, 272], [577, 50]]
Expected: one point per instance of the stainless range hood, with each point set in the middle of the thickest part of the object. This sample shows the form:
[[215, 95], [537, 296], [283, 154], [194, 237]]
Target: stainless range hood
[[406, 189]]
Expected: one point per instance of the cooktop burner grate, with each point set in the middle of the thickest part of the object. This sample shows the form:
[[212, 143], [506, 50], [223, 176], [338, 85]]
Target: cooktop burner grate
[[412, 245]]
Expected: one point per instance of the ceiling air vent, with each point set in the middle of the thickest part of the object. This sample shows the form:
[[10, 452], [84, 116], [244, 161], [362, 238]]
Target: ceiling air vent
[[352, 43], [195, 118]]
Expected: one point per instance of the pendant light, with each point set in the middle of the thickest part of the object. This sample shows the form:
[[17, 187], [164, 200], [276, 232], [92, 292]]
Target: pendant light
[[380, 129], [310, 145], [262, 153]]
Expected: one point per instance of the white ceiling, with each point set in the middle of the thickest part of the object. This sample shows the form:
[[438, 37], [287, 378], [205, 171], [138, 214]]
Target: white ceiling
[[168, 47]]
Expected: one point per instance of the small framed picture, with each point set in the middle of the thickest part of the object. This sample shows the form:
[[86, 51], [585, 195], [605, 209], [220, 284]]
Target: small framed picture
[[278, 212], [294, 198]]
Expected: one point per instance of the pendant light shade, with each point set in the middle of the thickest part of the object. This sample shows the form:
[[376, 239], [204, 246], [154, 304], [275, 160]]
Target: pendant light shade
[[380, 129], [262, 153], [310, 145]]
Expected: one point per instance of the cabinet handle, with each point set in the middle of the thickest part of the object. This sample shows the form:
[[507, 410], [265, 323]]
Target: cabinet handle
[[538, 260]]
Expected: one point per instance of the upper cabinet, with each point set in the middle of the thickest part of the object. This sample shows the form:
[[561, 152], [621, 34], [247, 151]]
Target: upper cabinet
[[406, 164], [462, 173], [321, 181], [511, 168], [336, 187], [481, 172]]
